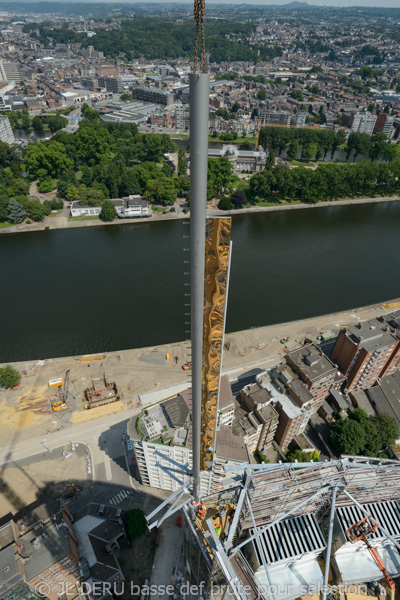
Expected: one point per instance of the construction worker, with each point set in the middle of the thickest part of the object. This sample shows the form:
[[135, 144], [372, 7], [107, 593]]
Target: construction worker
[[218, 528], [201, 512]]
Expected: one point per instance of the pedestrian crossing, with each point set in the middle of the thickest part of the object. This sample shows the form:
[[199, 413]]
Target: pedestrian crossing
[[120, 497]]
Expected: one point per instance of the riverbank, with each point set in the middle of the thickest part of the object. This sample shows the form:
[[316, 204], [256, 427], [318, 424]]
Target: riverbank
[[61, 221], [26, 412]]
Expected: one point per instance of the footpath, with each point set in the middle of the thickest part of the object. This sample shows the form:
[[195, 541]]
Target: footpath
[[61, 221]]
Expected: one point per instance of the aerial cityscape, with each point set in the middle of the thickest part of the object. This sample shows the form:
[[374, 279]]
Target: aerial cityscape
[[200, 310]]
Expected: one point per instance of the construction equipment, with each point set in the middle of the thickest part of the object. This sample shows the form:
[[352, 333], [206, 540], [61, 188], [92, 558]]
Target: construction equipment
[[360, 532], [61, 402], [53, 383], [64, 392], [59, 405]]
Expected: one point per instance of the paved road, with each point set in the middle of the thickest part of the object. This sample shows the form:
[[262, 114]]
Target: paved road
[[73, 125]]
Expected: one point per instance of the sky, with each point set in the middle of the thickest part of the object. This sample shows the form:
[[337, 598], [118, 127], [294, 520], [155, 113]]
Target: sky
[[353, 3]]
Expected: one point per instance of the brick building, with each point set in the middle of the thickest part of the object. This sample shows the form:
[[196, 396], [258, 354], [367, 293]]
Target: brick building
[[365, 352], [315, 370]]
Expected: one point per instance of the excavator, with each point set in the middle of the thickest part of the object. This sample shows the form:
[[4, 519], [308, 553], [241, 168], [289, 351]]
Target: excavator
[[360, 532]]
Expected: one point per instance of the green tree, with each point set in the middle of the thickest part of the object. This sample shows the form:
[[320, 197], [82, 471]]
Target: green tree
[[52, 157], [294, 454], [182, 162], [238, 199], [225, 203], [108, 211], [262, 95], [129, 184], [4, 200], [25, 120], [293, 149], [37, 211], [387, 428], [89, 113], [37, 124], [9, 377], [135, 524], [297, 95], [270, 162], [45, 186], [347, 436], [309, 151], [16, 212]]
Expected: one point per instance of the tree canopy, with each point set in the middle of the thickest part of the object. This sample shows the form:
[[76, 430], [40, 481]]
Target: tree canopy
[[9, 377]]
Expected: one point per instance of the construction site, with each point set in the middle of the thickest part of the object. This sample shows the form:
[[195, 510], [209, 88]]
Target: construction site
[[277, 531]]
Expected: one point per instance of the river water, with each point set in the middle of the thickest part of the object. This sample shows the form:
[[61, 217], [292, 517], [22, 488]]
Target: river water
[[83, 290]]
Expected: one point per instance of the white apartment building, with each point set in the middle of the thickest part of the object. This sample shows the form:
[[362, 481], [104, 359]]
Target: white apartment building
[[363, 123], [6, 133], [182, 118], [10, 71], [388, 127]]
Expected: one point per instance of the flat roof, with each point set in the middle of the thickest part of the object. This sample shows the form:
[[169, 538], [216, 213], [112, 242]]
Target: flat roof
[[230, 446], [311, 361], [300, 390]]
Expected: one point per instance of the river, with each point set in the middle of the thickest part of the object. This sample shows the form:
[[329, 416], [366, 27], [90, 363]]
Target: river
[[95, 289]]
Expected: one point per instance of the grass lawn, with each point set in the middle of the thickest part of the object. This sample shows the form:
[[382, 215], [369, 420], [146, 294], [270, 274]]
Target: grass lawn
[[55, 213], [5, 225], [85, 218], [283, 203]]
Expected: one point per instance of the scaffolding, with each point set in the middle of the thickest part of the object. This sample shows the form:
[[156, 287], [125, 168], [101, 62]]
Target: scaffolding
[[266, 495]]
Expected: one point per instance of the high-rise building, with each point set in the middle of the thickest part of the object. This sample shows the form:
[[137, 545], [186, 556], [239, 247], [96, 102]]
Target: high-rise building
[[363, 123], [182, 116], [112, 84], [366, 351], [6, 133]]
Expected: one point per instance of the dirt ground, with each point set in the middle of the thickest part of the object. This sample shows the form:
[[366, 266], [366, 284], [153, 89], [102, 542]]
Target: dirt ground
[[50, 476], [26, 411]]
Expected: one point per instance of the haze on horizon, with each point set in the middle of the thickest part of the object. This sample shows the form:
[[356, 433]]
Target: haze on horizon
[[316, 3]]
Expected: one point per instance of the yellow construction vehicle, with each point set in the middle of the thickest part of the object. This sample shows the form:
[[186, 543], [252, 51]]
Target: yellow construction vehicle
[[59, 405]]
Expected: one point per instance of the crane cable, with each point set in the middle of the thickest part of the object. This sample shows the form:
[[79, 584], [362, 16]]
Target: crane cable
[[199, 14]]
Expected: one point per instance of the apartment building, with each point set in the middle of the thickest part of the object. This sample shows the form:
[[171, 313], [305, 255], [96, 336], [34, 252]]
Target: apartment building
[[226, 404], [112, 84], [154, 96], [363, 123], [260, 402], [292, 421], [182, 117], [315, 370], [10, 71], [6, 132], [269, 117], [365, 352], [167, 467]]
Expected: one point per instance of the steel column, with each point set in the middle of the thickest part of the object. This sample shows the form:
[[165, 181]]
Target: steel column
[[199, 89], [329, 545]]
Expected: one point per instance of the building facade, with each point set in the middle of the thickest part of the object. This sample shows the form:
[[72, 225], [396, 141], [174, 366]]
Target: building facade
[[6, 132]]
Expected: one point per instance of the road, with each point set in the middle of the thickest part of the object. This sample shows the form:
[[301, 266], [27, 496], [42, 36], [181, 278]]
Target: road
[[73, 126]]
